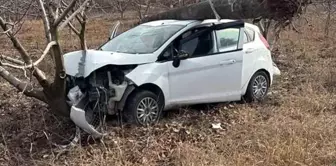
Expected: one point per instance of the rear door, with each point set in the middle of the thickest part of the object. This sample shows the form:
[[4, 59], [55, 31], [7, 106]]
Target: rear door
[[230, 41]]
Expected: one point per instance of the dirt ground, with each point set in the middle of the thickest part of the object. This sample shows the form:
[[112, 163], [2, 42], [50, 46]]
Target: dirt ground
[[296, 125]]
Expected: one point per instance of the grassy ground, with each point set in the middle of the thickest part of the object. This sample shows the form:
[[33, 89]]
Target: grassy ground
[[294, 126]]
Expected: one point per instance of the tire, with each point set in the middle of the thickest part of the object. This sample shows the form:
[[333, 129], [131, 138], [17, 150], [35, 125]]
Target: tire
[[260, 81], [137, 110]]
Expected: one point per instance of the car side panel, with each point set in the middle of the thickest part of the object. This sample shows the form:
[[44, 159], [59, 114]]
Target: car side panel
[[259, 59], [155, 73]]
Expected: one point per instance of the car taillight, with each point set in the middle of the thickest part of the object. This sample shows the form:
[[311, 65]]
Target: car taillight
[[264, 41]]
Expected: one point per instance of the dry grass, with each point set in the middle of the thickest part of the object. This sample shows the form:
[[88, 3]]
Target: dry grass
[[294, 126]]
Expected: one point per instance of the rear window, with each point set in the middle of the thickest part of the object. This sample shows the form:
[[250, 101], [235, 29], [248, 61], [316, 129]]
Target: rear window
[[228, 39]]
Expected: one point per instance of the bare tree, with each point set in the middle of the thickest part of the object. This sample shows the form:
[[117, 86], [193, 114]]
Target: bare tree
[[141, 7], [55, 15], [280, 10], [121, 6]]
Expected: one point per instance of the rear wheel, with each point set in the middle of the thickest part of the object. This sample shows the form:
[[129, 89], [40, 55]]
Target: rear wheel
[[258, 87], [143, 108]]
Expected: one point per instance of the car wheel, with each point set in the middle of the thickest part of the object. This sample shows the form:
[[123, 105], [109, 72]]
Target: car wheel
[[143, 108], [258, 87]]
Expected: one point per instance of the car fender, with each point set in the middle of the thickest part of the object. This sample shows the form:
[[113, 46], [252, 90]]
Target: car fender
[[154, 73], [260, 64]]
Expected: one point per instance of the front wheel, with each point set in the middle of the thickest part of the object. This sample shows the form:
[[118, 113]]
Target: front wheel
[[258, 87], [143, 108]]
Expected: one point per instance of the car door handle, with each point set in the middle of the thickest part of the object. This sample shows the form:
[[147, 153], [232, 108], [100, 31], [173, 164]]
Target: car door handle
[[249, 50], [228, 62]]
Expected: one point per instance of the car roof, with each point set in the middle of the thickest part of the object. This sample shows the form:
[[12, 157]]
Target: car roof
[[249, 25]]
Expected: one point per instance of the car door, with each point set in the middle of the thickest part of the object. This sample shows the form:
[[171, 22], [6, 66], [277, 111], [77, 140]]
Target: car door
[[250, 55], [212, 73]]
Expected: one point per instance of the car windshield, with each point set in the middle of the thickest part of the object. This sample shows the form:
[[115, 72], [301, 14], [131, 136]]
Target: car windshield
[[142, 39]]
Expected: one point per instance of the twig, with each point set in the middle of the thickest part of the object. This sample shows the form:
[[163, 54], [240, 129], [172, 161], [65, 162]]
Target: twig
[[18, 62], [74, 29], [45, 52], [20, 19], [45, 21], [71, 26], [65, 13], [12, 66], [294, 28], [15, 41], [5, 32], [80, 9]]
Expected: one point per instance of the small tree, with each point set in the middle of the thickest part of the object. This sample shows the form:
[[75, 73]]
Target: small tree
[[55, 15], [121, 6]]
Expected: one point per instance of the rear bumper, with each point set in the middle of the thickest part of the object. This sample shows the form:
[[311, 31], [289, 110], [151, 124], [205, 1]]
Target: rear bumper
[[276, 71]]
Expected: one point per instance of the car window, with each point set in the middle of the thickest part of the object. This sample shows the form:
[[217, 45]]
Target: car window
[[199, 45], [142, 39], [228, 39], [167, 54]]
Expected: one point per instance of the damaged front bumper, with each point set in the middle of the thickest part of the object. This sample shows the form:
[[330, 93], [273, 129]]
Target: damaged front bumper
[[78, 100], [77, 115]]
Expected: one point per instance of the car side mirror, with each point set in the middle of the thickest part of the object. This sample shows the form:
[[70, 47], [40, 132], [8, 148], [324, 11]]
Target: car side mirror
[[181, 55]]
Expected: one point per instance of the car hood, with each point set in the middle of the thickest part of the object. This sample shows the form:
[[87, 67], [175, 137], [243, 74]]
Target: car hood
[[79, 64]]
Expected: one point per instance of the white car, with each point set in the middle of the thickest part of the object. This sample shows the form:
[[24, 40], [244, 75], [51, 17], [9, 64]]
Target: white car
[[168, 63]]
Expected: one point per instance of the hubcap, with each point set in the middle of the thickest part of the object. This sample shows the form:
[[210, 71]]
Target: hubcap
[[147, 111], [260, 87]]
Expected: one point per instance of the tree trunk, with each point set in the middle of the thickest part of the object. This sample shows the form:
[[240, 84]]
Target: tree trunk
[[56, 93], [235, 9], [121, 14]]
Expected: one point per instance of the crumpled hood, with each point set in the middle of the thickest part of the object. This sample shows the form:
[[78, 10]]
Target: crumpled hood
[[79, 64]]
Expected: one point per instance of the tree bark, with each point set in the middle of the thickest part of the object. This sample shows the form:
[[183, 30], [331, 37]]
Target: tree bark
[[56, 93], [235, 9]]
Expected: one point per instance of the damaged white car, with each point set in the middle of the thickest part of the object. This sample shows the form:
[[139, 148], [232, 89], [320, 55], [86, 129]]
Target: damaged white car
[[163, 64]]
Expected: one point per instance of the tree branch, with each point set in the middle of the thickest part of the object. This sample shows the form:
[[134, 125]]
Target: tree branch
[[5, 32], [74, 29], [18, 62], [16, 43], [82, 34], [65, 13], [80, 9], [45, 21], [71, 26], [25, 88], [38, 74], [45, 52]]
